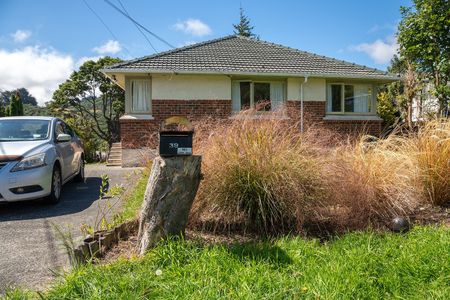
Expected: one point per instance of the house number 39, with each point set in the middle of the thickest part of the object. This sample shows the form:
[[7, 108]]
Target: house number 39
[[173, 145]]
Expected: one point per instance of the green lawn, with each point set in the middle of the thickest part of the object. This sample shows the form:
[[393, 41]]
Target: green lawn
[[133, 201], [364, 265]]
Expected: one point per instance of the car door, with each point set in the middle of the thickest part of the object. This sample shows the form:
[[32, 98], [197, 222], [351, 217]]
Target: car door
[[75, 153], [64, 151]]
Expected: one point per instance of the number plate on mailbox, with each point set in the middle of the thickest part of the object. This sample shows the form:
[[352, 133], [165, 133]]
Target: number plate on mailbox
[[173, 143]]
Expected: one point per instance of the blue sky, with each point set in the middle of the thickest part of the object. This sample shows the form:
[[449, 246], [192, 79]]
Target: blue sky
[[42, 42]]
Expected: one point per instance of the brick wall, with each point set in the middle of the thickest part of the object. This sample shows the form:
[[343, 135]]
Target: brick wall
[[144, 133], [314, 112]]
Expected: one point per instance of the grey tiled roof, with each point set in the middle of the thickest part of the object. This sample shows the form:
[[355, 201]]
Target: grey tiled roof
[[241, 55]]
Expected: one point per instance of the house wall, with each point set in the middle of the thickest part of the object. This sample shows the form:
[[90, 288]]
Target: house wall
[[198, 97], [313, 90], [191, 87]]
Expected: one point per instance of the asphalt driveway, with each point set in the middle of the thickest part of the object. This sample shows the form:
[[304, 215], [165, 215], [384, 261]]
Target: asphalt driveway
[[30, 253]]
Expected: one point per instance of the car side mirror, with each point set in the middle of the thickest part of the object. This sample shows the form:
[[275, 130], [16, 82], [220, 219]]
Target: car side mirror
[[62, 137]]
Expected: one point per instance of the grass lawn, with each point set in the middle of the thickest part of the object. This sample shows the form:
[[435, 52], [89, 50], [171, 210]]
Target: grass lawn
[[133, 201], [362, 265]]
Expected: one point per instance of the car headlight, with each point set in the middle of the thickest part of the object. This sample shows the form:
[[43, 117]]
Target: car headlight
[[30, 162]]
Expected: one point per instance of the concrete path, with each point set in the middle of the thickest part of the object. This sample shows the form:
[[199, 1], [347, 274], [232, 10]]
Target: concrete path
[[30, 252]]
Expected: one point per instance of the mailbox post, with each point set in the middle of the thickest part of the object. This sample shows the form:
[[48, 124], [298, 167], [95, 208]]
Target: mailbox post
[[171, 187]]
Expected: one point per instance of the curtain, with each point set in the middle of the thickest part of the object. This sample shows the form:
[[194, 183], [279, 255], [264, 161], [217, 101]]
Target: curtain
[[236, 96], [362, 97], [276, 95], [140, 90]]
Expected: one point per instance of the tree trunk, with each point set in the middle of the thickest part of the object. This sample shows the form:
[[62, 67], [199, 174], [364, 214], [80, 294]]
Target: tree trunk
[[171, 189]]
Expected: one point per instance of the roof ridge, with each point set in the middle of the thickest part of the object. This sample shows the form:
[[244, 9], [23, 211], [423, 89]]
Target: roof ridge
[[314, 54], [171, 51]]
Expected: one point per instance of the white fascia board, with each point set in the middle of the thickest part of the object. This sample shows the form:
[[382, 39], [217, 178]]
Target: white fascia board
[[381, 78]]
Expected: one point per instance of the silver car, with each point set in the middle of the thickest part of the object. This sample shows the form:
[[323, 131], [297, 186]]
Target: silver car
[[37, 156]]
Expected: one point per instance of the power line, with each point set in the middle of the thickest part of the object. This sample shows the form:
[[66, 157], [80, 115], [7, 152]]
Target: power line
[[137, 24], [138, 28], [104, 24]]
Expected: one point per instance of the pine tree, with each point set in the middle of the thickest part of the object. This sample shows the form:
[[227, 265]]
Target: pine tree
[[2, 111], [15, 105], [243, 28]]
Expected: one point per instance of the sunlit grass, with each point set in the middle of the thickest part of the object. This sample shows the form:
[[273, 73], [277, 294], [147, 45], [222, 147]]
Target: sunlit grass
[[360, 265]]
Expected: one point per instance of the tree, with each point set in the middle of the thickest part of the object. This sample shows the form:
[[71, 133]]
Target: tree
[[423, 35], [15, 105], [412, 85], [89, 95], [243, 27], [2, 111], [31, 110], [25, 95]]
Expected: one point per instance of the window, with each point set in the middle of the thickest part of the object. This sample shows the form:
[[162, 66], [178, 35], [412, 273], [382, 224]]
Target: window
[[349, 98], [263, 96], [140, 95]]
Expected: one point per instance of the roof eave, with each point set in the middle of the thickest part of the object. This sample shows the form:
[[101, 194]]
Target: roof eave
[[109, 71]]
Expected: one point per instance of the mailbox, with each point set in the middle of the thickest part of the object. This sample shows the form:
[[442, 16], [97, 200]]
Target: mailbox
[[175, 142]]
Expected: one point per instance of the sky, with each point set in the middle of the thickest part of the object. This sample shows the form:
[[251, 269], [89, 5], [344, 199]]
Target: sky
[[43, 42]]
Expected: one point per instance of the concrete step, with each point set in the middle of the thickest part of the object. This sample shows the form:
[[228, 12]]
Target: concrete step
[[115, 157], [113, 165], [114, 160]]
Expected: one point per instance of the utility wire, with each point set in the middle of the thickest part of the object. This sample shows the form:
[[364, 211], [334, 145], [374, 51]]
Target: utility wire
[[104, 24], [139, 28], [137, 24]]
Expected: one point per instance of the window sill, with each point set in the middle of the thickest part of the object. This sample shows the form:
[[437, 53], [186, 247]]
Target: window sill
[[260, 116], [352, 117], [137, 117]]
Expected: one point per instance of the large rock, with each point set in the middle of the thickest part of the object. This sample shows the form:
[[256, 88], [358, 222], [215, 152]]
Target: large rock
[[171, 189]]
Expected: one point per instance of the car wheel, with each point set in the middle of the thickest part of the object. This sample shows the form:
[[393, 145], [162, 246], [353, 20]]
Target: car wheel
[[80, 176], [55, 194]]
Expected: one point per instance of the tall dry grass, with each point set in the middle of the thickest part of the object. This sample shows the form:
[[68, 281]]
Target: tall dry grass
[[263, 174], [430, 148], [260, 172], [369, 182]]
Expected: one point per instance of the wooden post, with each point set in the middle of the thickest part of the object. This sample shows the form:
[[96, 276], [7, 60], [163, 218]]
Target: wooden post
[[171, 189]]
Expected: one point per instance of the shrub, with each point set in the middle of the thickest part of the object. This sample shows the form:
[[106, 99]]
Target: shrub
[[369, 182], [431, 149], [261, 172]]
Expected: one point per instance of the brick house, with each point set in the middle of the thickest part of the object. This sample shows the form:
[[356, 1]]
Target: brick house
[[220, 77]]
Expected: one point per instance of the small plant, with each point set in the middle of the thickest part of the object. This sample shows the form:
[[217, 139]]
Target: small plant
[[66, 238]]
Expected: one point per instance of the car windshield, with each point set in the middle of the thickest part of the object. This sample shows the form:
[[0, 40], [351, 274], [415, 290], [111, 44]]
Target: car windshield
[[23, 130]]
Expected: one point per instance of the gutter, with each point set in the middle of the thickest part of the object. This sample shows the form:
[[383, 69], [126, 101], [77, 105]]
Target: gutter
[[381, 78]]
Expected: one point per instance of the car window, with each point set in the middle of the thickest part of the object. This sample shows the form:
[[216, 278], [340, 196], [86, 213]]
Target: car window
[[59, 129], [69, 130], [23, 130]]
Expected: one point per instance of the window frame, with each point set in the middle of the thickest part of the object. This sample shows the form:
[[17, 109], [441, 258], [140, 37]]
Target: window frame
[[372, 112], [252, 92], [129, 96]]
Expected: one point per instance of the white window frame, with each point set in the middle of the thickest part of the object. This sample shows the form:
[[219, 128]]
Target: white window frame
[[373, 103], [252, 91], [129, 97]]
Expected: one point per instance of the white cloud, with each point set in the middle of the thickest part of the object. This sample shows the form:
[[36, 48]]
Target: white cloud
[[110, 47], [84, 59], [21, 35], [380, 51], [193, 26], [37, 69]]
